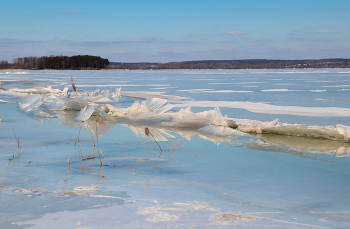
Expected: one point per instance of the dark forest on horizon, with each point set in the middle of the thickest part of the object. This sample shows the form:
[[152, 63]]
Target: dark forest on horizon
[[236, 64], [57, 62], [87, 62]]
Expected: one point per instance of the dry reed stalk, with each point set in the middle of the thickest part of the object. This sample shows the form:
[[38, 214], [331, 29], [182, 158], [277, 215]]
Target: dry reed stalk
[[168, 151], [152, 150], [8, 186], [80, 148], [114, 171], [13, 156], [156, 141], [87, 157], [63, 181], [85, 170], [173, 156], [98, 124], [182, 138], [176, 144], [147, 132], [87, 124], [191, 153], [121, 147], [179, 147], [153, 170], [17, 139], [98, 152]]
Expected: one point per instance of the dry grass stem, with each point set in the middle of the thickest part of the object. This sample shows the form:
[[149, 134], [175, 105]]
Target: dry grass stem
[[187, 152], [121, 147], [156, 141], [121, 141], [87, 124], [88, 157], [98, 124], [152, 150], [147, 132], [8, 186], [80, 148], [17, 139], [98, 151], [63, 181], [176, 144], [173, 156], [86, 170], [13, 156], [182, 138]]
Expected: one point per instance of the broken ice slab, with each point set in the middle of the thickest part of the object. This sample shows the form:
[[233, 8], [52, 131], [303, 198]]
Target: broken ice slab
[[155, 105], [44, 90], [97, 119], [33, 101], [87, 112]]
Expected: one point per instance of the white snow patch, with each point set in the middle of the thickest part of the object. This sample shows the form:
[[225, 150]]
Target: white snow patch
[[279, 90], [265, 108]]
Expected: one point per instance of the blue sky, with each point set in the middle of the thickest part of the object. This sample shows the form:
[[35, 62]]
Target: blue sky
[[164, 31]]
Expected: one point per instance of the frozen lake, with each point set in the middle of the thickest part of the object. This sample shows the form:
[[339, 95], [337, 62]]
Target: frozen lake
[[179, 149]]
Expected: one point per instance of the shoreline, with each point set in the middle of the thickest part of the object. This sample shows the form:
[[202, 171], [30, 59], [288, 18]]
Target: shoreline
[[170, 69]]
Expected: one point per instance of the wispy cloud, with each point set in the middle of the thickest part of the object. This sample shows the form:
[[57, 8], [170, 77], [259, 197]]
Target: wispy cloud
[[176, 55], [134, 40], [69, 11], [127, 41], [11, 41], [125, 53], [324, 31], [63, 53], [7, 41], [106, 43], [235, 32], [177, 42]]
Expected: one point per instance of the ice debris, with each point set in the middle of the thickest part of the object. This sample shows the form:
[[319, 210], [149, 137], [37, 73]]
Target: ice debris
[[47, 100], [185, 118], [338, 132], [87, 112], [229, 218], [30, 190], [147, 108], [157, 111], [44, 90]]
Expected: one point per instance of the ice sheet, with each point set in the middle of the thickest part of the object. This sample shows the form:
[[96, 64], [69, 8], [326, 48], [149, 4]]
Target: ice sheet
[[265, 108], [216, 160]]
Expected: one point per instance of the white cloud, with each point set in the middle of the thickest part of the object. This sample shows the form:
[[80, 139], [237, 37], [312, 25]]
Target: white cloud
[[235, 32], [324, 31], [135, 40]]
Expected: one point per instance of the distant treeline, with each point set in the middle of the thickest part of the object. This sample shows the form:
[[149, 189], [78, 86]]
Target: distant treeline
[[57, 62], [4, 64], [96, 62], [236, 64]]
